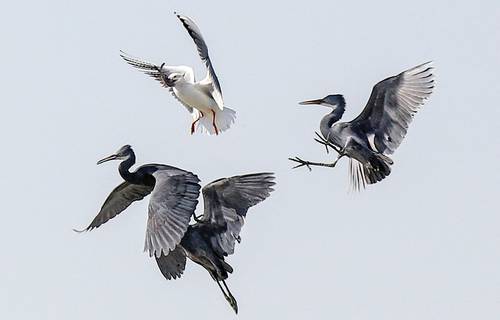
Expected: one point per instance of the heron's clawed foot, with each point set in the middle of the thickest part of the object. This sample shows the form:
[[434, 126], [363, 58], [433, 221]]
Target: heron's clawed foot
[[232, 303], [301, 163], [229, 297], [323, 141], [320, 139]]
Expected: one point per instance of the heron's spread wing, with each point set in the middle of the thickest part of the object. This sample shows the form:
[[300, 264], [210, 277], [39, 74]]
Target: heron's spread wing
[[392, 105], [118, 200], [173, 264], [173, 201], [227, 200], [195, 33]]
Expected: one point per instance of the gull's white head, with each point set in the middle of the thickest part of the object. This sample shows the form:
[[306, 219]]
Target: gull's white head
[[178, 73], [174, 77]]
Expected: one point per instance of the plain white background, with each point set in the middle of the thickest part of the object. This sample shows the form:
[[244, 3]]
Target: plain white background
[[423, 244]]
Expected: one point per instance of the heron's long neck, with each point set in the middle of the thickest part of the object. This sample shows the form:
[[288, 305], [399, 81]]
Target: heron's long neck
[[328, 120], [124, 167]]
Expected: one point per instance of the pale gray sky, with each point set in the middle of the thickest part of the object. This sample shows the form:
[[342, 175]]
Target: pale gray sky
[[423, 244]]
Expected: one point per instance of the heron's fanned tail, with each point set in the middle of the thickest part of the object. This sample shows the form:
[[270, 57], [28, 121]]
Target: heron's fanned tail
[[356, 177], [223, 120], [172, 265], [361, 175]]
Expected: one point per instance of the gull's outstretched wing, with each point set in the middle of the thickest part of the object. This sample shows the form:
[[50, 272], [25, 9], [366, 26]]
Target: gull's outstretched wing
[[159, 73], [226, 202], [392, 105], [118, 200], [147, 68], [173, 201], [195, 33], [173, 264]]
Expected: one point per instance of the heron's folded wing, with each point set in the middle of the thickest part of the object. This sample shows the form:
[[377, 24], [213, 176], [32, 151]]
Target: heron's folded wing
[[118, 200], [195, 33], [226, 202], [173, 264], [392, 105], [173, 201]]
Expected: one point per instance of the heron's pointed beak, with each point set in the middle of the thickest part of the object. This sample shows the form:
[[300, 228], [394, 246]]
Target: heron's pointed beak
[[308, 102], [111, 157]]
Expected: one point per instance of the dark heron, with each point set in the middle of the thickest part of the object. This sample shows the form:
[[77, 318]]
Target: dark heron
[[371, 137], [174, 196]]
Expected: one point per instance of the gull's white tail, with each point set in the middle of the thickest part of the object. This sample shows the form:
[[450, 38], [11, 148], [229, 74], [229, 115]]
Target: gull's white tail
[[223, 120]]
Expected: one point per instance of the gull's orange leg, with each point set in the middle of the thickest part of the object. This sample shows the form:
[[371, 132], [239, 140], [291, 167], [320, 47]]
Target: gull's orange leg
[[194, 122], [213, 123]]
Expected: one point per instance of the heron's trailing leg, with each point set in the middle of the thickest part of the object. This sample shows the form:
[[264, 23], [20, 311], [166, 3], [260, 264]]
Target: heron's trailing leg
[[229, 297], [194, 122], [213, 123], [308, 164], [234, 304], [327, 144]]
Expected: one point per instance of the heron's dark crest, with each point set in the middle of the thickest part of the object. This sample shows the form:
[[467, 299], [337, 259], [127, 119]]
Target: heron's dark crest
[[336, 101], [125, 150]]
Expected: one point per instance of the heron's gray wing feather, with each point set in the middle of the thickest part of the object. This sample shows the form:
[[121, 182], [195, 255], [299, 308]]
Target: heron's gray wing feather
[[173, 201], [117, 201], [392, 105], [195, 34], [173, 264], [226, 202]]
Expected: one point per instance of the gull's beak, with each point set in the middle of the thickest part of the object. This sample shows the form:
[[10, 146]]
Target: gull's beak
[[308, 102], [111, 157]]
